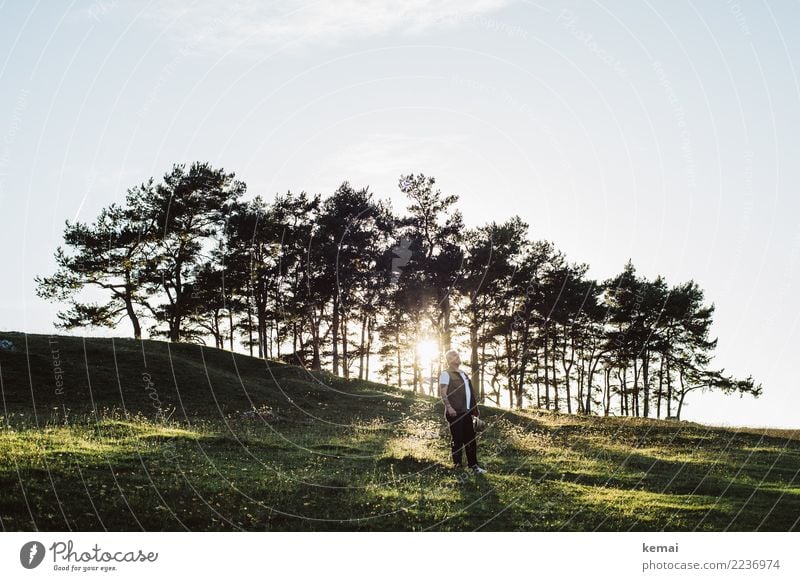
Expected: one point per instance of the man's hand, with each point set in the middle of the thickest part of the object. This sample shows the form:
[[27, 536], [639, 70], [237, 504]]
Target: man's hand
[[450, 411]]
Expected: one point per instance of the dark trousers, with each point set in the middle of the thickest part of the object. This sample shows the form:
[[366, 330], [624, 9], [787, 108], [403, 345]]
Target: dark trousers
[[463, 433]]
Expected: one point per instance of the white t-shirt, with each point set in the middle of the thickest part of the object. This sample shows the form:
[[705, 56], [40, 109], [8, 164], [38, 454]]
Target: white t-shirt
[[444, 378]]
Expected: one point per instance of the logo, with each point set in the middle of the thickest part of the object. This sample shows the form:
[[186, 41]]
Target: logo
[[31, 554], [403, 255]]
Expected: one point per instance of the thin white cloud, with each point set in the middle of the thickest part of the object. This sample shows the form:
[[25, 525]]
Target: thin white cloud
[[248, 23]]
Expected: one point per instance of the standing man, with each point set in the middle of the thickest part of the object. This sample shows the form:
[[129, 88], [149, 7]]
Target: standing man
[[460, 404]]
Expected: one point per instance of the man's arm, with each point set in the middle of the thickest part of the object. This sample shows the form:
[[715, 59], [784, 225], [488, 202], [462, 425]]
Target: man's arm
[[449, 410]]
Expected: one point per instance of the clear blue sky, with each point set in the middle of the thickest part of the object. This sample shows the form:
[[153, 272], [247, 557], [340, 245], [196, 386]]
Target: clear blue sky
[[665, 132]]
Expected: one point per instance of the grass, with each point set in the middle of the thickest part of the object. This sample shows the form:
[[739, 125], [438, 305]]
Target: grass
[[150, 436]]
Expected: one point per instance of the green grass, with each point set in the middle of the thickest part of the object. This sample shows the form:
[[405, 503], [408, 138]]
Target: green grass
[[121, 450]]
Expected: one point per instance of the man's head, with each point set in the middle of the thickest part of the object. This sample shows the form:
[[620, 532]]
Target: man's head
[[452, 358]]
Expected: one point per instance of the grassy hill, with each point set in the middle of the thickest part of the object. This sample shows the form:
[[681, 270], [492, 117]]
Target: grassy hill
[[100, 434]]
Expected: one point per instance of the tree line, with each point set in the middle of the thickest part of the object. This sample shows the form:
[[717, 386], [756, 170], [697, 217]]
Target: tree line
[[346, 283]]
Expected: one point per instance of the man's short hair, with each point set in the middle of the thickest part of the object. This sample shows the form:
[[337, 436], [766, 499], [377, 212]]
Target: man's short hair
[[449, 353]]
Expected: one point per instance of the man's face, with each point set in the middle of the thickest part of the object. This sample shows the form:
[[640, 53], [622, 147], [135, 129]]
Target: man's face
[[454, 360]]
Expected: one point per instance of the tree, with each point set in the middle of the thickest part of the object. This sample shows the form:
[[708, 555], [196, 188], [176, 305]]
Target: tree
[[312, 280], [493, 255], [521, 329], [692, 379], [253, 241], [435, 229], [188, 211], [207, 306], [110, 255], [350, 238], [297, 300], [627, 331]]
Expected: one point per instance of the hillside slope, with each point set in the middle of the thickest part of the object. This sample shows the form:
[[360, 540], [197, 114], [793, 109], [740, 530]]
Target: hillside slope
[[102, 434]]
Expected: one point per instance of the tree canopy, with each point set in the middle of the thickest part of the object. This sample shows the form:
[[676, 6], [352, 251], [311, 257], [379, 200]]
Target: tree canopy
[[347, 283]]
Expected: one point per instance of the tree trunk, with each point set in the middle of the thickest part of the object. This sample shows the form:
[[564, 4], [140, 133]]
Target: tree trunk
[[546, 371], [177, 307], [536, 378], [523, 363], [230, 322], [508, 344], [646, 383], [137, 329], [345, 356], [660, 386], [447, 336], [593, 362], [361, 348], [399, 356], [316, 362], [473, 342], [295, 346], [335, 332], [261, 316], [250, 325], [683, 395], [482, 371], [369, 347], [669, 390], [555, 379], [623, 388], [568, 369]]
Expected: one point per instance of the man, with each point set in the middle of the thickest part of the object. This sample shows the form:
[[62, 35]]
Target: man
[[460, 404]]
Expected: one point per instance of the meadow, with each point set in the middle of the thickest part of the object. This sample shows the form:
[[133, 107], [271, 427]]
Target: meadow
[[117, 434]]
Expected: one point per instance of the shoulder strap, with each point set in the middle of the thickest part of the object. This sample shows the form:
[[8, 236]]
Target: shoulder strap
[[467, 381]]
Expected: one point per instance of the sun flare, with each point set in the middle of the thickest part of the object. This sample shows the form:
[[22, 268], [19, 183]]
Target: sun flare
[[427, 350]]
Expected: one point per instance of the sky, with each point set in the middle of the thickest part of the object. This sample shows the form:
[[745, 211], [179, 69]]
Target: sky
[[662, 132]]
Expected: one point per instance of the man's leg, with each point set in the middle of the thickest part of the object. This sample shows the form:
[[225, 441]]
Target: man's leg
[[470, 441], [457, 442]]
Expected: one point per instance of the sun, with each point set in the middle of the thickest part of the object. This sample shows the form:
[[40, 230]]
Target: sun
[[427, 350]]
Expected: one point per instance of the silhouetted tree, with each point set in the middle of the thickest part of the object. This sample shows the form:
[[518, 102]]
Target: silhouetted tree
[[110, 255], [188, 209]]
